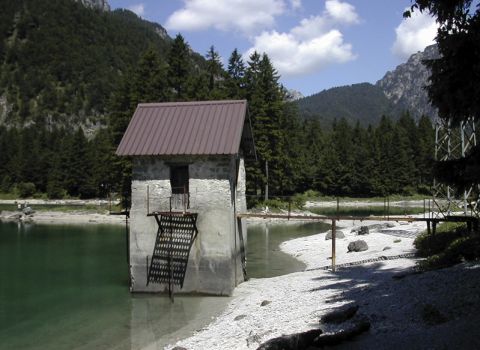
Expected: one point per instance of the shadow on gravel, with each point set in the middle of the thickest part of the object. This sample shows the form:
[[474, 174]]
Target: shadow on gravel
[[396, 308]]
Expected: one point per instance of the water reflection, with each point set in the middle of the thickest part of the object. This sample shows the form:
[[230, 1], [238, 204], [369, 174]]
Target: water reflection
[[155, 321]]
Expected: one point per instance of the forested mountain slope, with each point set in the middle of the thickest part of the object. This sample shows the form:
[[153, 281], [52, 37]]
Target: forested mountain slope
[[363, 102], [61, 60], [398, 91]]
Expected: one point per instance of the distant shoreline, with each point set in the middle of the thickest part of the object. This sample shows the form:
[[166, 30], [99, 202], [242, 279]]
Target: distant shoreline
[[88, 216], [62, 217]]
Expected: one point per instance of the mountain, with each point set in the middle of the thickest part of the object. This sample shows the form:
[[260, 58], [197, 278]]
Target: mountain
[[399, 90], [101, 5], [61, 60], [405, 85], [363, 102], [293, 95]]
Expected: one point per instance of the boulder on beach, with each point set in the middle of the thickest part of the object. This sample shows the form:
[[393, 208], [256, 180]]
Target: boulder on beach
[[338, 234], [357, 246], [28, 211], [363, 230]]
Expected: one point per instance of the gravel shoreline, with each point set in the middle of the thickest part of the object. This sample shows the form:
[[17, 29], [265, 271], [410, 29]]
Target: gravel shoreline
[[406, 309]]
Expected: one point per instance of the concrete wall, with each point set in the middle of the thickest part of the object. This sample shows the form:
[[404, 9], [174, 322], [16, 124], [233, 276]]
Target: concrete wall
[[214, 265]]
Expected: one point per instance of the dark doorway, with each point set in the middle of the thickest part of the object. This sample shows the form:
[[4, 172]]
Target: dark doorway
[[179, 179], [179, 182]]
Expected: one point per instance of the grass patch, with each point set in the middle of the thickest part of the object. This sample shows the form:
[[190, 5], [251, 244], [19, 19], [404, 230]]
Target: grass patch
[[451, 244]]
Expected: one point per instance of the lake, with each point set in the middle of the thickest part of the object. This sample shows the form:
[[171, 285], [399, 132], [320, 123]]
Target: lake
[[66, 287]]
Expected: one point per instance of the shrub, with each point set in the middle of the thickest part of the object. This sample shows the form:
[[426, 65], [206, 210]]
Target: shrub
[[449, 246], [54, 190], [25, 189], [429, 244]]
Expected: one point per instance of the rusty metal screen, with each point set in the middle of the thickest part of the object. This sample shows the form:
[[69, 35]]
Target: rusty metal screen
[[175, 236]]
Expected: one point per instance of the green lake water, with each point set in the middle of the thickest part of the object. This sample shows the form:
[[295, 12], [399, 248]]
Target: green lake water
[[66, 287]]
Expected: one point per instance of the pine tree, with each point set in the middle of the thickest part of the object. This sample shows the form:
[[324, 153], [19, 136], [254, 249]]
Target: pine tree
[[384, 140], [216, 74], [266, 99], [149, 80], [179, 68], [236, 76]]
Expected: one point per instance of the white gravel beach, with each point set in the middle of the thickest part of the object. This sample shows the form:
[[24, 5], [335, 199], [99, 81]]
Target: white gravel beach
[[392, 297]]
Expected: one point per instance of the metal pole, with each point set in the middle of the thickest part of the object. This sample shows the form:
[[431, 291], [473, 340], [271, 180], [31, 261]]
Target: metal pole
[[334, 235]]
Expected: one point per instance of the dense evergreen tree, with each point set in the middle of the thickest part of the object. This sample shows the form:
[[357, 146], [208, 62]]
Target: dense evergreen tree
[[236, 76], [216, 74], [179, 68]]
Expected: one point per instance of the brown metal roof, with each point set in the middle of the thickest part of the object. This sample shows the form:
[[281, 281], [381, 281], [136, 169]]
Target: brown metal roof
[[190, 128]]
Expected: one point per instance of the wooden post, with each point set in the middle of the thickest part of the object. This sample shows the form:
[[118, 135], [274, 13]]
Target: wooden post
[[266, 184], [184, 199], [334, 234], [148, 199], [338, 206], [289, 207]]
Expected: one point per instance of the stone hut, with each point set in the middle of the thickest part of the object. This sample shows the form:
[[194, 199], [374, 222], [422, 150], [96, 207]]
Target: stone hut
[[188, 186]]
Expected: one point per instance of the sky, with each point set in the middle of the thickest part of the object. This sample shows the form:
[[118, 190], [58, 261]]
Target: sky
[[313, 44]]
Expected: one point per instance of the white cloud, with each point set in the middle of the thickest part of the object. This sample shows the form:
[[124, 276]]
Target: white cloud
[[139, 9], [414, 34], [246, 16], [295, 4], [341, 12], [312, 45], [291, 56]]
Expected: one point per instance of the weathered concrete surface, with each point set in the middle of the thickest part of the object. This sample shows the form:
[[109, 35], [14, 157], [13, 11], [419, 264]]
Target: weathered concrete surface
[[214, 265]]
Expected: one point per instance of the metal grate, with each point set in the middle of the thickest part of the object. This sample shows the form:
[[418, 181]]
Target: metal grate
[[175, 236]]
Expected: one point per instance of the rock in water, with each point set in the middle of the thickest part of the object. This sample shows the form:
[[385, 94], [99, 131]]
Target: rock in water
[[357, 246]]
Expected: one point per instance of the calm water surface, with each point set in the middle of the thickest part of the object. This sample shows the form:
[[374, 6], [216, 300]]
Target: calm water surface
[[66, 287]]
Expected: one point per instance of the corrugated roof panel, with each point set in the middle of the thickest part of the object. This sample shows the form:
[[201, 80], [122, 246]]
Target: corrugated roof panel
[[209, 127]]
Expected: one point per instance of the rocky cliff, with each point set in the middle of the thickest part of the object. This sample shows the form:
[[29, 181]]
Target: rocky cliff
[[405, 85], [97, 4]]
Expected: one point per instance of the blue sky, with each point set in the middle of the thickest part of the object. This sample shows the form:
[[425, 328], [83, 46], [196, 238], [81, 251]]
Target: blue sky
[[314, 44]]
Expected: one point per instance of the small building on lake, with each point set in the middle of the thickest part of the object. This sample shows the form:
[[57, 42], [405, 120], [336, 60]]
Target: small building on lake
[[188, 186]]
